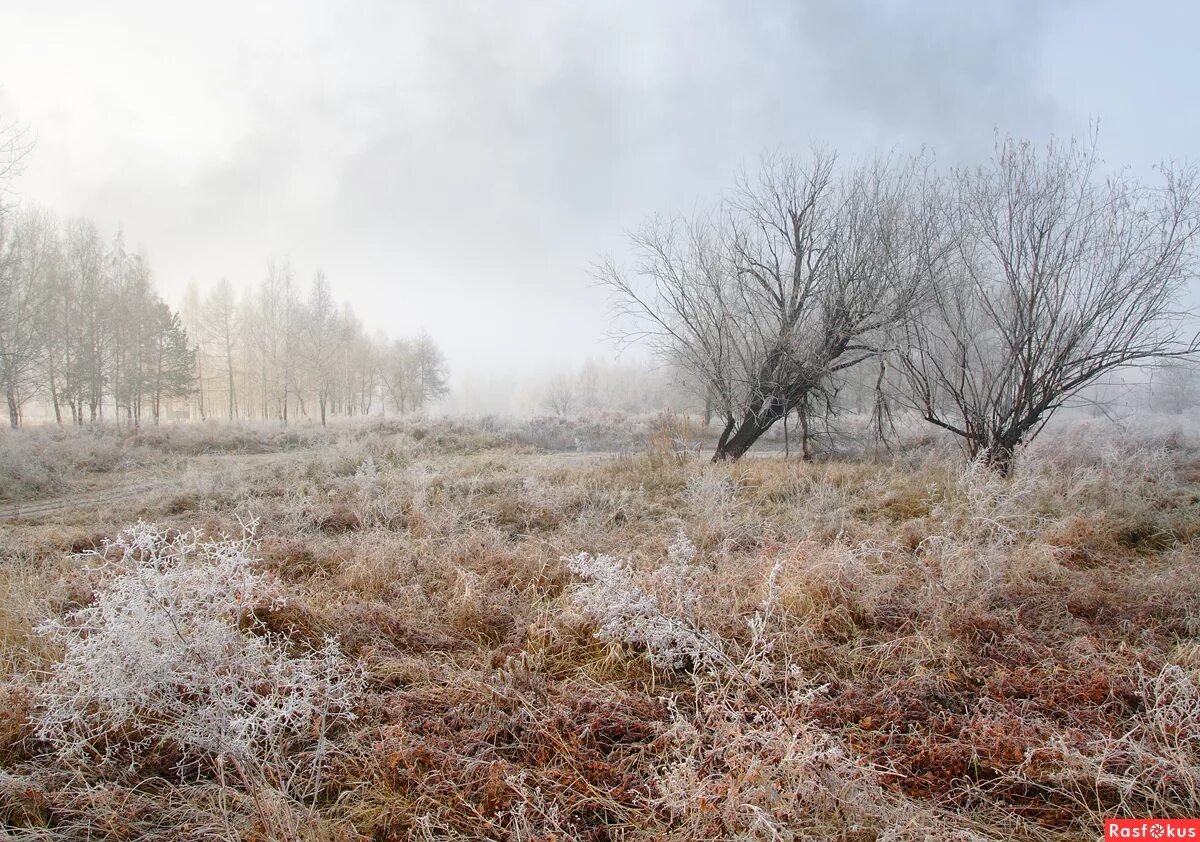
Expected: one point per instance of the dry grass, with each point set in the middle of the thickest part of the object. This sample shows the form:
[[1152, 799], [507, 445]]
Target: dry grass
[[899, 650]]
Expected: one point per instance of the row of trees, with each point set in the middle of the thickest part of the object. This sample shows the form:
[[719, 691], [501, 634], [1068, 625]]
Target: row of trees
[[985, 297], [83, 330], [81, 325], [598, 385], [272, 354]]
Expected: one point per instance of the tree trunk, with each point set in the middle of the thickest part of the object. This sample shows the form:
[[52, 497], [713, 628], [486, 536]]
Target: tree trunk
[[750, 430], [997, 455], [14, 411], [805, 435], [54, 396], [229, 371]]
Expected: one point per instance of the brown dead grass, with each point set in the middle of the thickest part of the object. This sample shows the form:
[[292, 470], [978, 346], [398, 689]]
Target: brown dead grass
[[952, 637]]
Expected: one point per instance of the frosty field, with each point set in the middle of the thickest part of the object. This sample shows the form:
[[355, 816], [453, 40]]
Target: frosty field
[[425, 631]]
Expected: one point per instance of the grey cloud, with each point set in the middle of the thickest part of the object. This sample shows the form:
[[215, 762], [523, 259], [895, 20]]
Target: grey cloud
[[458, 165]]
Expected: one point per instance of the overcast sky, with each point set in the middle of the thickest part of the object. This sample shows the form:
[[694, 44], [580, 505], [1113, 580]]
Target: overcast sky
[[456, 166]]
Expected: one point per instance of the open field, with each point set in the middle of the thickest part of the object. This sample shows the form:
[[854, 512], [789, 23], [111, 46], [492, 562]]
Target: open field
[[406, 631]]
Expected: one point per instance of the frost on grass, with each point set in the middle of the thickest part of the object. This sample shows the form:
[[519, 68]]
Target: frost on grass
[[1153, 767], [656, 611], [168, 658], [646, 612]]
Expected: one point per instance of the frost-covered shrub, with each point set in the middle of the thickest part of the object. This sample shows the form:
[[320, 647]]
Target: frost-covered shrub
[[547, 432], [715, 505], [989, 508], [629, 612], [657, 612], [592, 432], [370, 498], [1124, 487], [713, 494], [1130, 480], [168, 660], [732, 771], [42, 460], [535, 495], [677, 581], [23, 473]]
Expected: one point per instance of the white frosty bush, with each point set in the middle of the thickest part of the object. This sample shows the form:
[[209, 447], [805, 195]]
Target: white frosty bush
[[169, 656], [656, 611], [681, 551], [711, 496], [626, 612], [369, 497]]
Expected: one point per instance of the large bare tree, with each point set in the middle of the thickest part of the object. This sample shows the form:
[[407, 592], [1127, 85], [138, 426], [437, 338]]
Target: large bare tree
[[1057, 276], [797, 275]]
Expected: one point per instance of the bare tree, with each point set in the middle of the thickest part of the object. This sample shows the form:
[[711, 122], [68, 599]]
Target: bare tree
[[413, 373], [29, 253], [192, 316], [430, 370], [87, 299], [362, 372], [560, 395], [221, 327], [131, 328], [795, 277], [398, 374], [14, 148], [319, 341], [1175, 387], [1056, 278], [588, 385], [276, 316]]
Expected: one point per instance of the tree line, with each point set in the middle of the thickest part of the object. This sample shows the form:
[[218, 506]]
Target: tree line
[[83, 331], [82, 327], [982, 297], [273, 354]]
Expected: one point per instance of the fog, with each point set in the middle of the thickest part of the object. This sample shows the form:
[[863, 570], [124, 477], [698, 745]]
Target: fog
[[599, 420], [457, 167]]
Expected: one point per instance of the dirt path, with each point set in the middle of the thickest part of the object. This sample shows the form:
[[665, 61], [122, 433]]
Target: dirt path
[[89, 499], [138, 488], [70, 502]]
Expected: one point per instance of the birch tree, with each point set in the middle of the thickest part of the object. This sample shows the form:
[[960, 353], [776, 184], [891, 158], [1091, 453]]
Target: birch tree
[[319, 340], [222, 328]]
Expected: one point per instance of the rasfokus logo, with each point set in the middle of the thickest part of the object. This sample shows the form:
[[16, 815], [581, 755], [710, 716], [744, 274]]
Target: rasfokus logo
[[1151, 829]]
